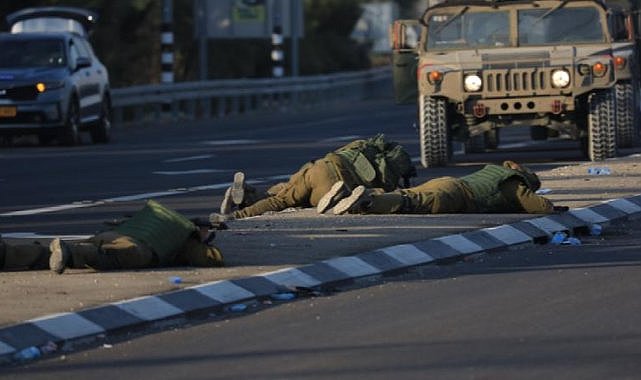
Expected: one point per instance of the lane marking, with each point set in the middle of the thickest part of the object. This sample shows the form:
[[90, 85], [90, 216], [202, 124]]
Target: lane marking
[[230, 142], [193, 171], [192, 158], [142, 196]]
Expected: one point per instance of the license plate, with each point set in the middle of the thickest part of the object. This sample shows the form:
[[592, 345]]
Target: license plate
[[8, 111]]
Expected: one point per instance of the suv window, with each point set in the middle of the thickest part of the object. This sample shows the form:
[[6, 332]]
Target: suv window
[[549, 27], [32, 53]]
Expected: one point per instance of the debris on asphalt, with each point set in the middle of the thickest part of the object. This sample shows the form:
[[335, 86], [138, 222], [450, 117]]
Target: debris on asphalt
[[238, 308], [175, 279], [596, 229], [543, 191], [599, 170], [29, 353], [571, 241], [282, 296], [49, 348], [558, 238]]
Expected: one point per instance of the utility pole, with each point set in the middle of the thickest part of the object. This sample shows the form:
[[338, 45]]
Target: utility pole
[[167, 43], [277, 55]]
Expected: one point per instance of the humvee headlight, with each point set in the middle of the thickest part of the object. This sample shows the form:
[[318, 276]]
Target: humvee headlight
[[472, 83], [560, 78]]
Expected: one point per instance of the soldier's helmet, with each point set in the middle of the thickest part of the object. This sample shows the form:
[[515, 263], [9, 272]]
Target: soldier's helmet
[[532, 179]]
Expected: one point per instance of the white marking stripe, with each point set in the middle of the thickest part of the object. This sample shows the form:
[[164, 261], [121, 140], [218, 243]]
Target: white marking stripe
[[461, 243], [192, 158], [67, 325], [588, 215], [508, 234], [407, 254], [341, 138], [291, 277], [224, 291], [33, 235], [624, 205], [193, 171], [6, 349], [352, 266], [135, 197], [148, 308], [547, 225], [230, 142]]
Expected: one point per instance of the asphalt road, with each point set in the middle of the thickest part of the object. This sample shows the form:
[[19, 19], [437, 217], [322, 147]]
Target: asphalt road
[[59, 190], [559, 312]]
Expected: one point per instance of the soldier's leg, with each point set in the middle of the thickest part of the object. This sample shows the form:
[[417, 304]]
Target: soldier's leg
[[23, 256], [294, 193], [105, 251]]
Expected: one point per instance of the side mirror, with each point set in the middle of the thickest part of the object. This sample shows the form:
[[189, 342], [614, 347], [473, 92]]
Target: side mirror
[[82, 62]]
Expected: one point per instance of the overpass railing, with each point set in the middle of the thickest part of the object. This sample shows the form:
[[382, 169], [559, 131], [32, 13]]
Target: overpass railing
[[221, 98]]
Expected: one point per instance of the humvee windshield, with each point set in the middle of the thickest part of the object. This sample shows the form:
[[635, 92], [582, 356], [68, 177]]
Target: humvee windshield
[[573, 25], [465, 29], [468, 29]]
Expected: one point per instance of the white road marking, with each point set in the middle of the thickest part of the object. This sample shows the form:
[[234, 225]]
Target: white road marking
[[342, 138], [192, 158], [135, 197], [194, 171], [35, 235], [229, 142]]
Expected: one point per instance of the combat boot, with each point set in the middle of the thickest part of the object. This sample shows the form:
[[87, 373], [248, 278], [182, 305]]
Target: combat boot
[[337, 192], [355, 203], [238, 188], [60, 256]]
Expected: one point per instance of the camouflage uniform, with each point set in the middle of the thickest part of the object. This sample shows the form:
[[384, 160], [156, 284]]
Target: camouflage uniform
[[154, 236], [361, 162], [493, 189]]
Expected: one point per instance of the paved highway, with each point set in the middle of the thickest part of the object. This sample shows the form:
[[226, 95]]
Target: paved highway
[[365, 332], [558, 312]]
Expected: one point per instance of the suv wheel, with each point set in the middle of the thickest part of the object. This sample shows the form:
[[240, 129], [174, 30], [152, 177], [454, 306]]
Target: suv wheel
[[433, 131], [627, 115], [70, 134], [101, 131], [601, 125]]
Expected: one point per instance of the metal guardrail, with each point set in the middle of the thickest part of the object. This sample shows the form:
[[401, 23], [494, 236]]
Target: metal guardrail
[[221, 98]]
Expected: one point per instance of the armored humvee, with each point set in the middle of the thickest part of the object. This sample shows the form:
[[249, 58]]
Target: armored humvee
[[477, 66], [624, 26]]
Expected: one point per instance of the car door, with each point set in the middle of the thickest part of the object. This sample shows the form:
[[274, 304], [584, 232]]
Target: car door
[[404, 39], [88, 83]]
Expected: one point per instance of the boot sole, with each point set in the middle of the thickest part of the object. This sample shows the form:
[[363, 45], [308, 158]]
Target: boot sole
[[348, 203], [331, 197], [59, 256], [238, 188]]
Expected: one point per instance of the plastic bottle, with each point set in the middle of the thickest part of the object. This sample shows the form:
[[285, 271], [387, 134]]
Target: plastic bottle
[[558, 238], [29, 353], [283, 296], [596, 229], [237, 308], [572, 241], [175, 279]]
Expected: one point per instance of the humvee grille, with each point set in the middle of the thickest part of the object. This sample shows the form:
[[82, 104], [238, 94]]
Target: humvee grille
[[516, 81]]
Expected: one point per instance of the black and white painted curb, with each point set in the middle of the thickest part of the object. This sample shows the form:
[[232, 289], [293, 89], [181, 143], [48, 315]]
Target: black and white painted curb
[[96, 322]]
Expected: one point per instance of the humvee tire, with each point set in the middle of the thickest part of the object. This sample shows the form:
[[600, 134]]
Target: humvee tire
[[601, 125], [627, 115], [433, 131]]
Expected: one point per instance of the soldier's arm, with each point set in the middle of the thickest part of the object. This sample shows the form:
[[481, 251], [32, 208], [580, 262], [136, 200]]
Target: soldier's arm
[[527, 199]]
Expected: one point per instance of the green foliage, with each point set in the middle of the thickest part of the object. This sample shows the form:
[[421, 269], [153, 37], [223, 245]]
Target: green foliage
[[127, 40]]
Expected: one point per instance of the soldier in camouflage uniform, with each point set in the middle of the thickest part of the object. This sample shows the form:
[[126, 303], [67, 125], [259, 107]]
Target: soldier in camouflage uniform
[[509, 188], [154, 236], [372, 162]]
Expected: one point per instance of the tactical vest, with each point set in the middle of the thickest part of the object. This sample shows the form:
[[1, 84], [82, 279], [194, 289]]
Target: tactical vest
[[484, 184], [376, 162], [160, 228]]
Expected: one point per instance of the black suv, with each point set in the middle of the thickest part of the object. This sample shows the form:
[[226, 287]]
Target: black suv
[[51, 82]]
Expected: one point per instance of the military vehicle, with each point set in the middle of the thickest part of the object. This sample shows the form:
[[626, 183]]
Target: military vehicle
[[624, 25], [478, 66]]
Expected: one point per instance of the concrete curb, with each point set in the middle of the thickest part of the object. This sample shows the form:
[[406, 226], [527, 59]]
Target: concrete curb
[[90, 324]]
